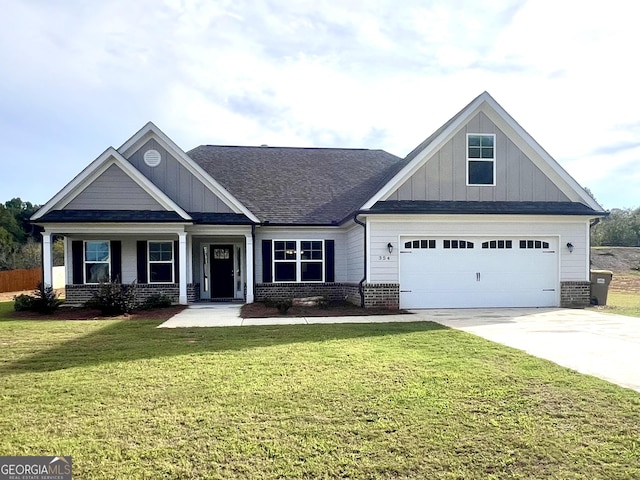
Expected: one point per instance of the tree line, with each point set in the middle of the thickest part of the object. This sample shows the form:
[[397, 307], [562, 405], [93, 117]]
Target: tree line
[[620, 229], [20, 240]]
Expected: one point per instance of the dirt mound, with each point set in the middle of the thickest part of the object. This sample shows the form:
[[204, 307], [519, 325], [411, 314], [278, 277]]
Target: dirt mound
[[616, 259]]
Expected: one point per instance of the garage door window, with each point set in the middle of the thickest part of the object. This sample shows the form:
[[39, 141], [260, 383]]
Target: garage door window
[[457, 244], [497, 244], [420, 244], [533, 244]]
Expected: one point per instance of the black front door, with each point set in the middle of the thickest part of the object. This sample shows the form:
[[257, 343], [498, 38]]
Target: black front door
[[221, 271]]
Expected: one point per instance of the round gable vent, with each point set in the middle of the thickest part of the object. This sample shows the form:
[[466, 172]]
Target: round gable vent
[[152, 158]]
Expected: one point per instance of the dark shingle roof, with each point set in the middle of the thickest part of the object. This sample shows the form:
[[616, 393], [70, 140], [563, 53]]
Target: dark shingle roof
[[207, 218], [83, 216], [475, 207], [299, 185], [142, 216]]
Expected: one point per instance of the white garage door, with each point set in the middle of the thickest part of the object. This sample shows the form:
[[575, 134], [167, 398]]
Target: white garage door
[[467, 272]]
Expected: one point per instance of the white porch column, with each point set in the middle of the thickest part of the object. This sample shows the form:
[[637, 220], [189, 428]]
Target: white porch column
[[182, 256], [47, 263], [68, 277], [249, 255]]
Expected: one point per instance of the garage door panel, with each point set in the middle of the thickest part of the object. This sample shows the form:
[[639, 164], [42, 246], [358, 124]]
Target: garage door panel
[[500, 275]]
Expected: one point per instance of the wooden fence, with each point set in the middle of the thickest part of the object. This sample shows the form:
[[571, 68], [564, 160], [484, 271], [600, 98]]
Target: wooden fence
[[17, 280]]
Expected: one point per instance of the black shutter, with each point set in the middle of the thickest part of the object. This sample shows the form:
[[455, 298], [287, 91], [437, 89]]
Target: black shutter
[[176, 262], [329, 261], [116, 261], [142, 261], [77, 259], [266, 261]]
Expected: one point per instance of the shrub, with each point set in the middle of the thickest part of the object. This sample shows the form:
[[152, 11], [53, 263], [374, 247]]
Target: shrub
[[46, 300], [323, 303], [158, 300], [23, 303], [43, 300], [283, 306], [114, 298]]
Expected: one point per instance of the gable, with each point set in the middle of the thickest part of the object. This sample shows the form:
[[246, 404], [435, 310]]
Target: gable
[[108, 177], [113, 190], [529, 173], [178, 175], [443, 177], [176, 181]]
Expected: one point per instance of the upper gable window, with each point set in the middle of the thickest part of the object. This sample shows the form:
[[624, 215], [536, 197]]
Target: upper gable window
[[481, 159]]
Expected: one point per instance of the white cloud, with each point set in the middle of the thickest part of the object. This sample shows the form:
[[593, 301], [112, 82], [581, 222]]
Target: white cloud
[[377, 74]]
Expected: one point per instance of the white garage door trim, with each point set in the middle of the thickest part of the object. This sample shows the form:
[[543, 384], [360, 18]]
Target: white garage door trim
[[471, 271]]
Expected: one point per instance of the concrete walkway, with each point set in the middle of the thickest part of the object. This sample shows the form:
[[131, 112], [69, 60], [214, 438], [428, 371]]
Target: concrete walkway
[[228, 315], [599, 344]]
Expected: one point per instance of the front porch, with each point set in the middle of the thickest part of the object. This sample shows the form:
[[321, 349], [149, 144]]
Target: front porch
[[185, 263]]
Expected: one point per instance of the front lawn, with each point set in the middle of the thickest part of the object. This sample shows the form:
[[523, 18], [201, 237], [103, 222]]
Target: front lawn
[[403, 400], [623, 303]]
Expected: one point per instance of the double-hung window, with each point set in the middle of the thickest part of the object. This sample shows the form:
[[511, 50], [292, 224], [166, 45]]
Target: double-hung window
[[97, 261], [161, 262], [481, 159], [298, 260]]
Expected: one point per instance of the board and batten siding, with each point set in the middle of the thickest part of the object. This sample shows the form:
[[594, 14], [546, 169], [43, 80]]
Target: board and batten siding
[[444, 176], [573, 266], [276, 233], [177, 182], [355, 253], [113, 190]]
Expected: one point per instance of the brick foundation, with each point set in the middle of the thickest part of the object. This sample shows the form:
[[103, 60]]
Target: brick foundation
[[385, 295], [575, 294], [79, 294], [282, 291]]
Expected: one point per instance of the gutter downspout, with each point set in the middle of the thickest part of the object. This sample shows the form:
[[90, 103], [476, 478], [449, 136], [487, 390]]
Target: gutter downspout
[[253, 237], [364, 278]]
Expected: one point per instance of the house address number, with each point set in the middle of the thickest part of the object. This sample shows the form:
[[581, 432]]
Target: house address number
[[384, 258]]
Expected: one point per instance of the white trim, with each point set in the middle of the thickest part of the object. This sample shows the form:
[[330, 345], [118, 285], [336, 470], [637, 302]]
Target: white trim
[[96, 168], [113, 228], [493, 160], [68, 279], [298, 261], [151, 130], [182, 259], [84, 260], [519, 136], [172, 262], [249, 267], [368, 224], [47, 260]]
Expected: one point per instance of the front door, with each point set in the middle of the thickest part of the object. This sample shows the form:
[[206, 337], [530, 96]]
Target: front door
[[222, 278]]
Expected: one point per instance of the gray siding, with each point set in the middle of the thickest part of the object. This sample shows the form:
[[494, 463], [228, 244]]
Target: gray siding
[[113, 190], [177, 182], [443, 177], [271, 233], [355, 253]]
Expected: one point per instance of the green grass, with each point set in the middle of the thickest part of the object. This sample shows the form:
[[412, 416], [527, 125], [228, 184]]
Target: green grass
[[403, 400], [622, 303]]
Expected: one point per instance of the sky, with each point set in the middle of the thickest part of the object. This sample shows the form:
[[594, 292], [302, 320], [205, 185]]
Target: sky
[[78, 77]]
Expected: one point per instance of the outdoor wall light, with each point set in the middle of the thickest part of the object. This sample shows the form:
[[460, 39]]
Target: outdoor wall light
[[570, 247], [390, 247]]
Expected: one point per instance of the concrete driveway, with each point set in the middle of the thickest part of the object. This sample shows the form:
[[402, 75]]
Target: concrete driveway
[[599, 344]]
